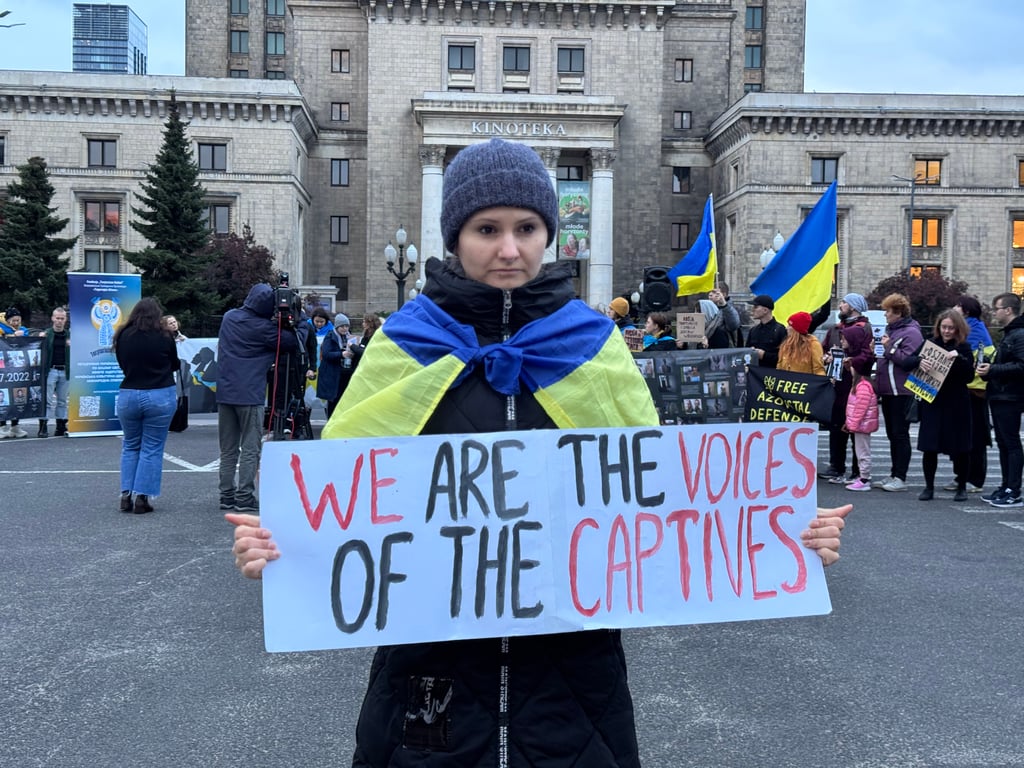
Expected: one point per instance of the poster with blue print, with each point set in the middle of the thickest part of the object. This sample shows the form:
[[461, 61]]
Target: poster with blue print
[[98, 305]]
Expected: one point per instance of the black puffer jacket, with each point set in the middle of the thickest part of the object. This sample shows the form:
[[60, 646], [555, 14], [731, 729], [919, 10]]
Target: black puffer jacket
[[440, 704], [1006, 375]]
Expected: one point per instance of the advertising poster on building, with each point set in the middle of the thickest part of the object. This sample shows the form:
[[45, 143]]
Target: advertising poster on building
[[701, 386], [392, 540], [21, 377], [98, 304], [574, 220]]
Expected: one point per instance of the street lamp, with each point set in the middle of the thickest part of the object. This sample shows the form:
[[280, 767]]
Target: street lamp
[[918, 179], [403, 270], [769, 253]]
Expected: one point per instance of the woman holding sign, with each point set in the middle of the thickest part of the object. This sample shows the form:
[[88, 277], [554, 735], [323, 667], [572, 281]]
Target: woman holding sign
[[946, 421], [553, 700]]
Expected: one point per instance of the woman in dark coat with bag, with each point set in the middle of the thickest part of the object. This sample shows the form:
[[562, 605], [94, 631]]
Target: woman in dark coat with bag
[[946, 421]]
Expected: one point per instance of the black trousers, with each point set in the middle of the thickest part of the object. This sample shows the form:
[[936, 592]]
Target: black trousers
[[1006, 422], [896, 412]]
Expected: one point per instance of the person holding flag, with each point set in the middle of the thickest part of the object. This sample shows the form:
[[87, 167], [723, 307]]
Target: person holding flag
[[800, 276]]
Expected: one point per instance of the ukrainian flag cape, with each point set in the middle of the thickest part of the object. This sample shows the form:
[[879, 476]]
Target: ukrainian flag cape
[[574, 362]]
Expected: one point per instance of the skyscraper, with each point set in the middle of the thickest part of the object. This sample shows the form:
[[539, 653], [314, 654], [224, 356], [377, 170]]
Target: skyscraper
[[109, 39]]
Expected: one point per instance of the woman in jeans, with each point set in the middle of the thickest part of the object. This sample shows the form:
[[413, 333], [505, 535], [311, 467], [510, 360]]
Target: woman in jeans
[[146, 403]]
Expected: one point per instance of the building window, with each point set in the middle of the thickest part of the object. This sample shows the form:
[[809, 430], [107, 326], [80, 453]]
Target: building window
[[928, 171], [570, 173], [217, 218], [275, 43], [752, 57], [684, 70], [1018, 233], [461, 58], [213, 157], [680, 236], [239, 41], [238, 73], [102, 261], [339, 173], [275, 7], [516, 59], [681, 180], [752, 87], [340, 61], [275, 74], [102, 153], [340, 111], [339, 229], [2, 148], [239, 7], [570, 61], [681, 120], [1020, 168], [340, 282], [824, 170], [755, 17], [927, 232], [102, 216]]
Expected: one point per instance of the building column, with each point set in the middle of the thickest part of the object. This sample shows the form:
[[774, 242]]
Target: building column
[[549, 156], [431, 240], [601, 209]]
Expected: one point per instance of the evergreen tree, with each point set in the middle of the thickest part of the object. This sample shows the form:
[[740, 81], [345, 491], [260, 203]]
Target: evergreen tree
[[174, 267], [33, 272], [239, 262]]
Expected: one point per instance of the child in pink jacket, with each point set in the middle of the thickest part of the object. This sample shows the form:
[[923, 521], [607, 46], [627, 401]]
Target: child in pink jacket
[[861, 420]]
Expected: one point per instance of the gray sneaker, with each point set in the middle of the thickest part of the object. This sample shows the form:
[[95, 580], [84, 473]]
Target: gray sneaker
[[950, 486], [841, 479], [881, 483], [894, 484]]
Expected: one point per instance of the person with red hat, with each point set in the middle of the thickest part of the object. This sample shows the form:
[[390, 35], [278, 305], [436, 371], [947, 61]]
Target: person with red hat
[[801, 352]]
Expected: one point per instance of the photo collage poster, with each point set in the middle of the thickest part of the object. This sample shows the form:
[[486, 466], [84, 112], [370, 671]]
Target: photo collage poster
[[21, 378], [707, 386]]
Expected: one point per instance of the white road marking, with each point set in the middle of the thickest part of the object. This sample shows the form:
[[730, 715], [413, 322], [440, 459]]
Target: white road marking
[[1016, 526]]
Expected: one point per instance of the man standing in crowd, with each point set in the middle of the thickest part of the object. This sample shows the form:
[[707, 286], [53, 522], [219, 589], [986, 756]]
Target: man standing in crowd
[[1005, 391], [249, 339], [719, 296], [851, 315], [767, 333], [56, 359]]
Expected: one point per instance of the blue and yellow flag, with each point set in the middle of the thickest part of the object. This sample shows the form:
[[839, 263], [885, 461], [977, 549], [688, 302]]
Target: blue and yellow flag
[[695, 272], [800, 276], [574, 361]]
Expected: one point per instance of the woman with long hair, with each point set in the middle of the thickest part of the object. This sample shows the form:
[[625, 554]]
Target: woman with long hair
[[148, 357], [946, 421], [801, 352], [658, 333]]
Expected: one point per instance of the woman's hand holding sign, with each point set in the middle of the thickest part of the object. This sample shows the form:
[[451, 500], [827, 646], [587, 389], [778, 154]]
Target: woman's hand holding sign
[[823, 535], [253, 547]]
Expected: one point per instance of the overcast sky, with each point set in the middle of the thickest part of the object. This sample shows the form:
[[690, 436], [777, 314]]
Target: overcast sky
[[879, 46]]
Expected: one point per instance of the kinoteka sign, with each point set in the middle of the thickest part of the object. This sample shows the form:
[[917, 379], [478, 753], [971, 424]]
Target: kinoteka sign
[[489, 128]]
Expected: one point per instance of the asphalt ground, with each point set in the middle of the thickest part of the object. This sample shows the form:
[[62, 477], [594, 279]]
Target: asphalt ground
[[132, 641]]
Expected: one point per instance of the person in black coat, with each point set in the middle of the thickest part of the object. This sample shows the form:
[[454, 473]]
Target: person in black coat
[[946, 421], [335, 369]]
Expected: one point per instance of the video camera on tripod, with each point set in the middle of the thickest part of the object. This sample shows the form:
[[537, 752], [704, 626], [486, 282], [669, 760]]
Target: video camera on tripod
[[287, 303], [286, 415]]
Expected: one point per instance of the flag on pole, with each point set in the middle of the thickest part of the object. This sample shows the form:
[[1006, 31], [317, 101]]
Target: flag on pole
[[800, 276], [695, 272]]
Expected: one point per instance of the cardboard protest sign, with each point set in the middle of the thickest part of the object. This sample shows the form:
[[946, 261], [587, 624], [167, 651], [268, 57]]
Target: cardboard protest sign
[[775, 395], [690, 326], [926, 385], [412, 539], [634, 338]]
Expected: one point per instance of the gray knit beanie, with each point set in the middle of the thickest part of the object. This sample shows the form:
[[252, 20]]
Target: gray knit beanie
[[495, 173], [856, 302]]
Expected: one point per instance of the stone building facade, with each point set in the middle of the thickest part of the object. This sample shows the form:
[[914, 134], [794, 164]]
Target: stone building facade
[[99, 134], [618, 96]]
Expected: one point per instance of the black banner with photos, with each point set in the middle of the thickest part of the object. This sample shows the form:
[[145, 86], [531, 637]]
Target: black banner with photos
[[21, 377]]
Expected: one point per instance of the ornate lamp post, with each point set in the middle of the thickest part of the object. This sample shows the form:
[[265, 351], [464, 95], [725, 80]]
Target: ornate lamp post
[[402, 270]]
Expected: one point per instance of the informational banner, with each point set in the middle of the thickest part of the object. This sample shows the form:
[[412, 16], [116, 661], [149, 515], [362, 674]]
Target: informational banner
[[573, 220], [786, 396], [21, 378], [98, 304], [926, 384], [700, 386], [442, 537]]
